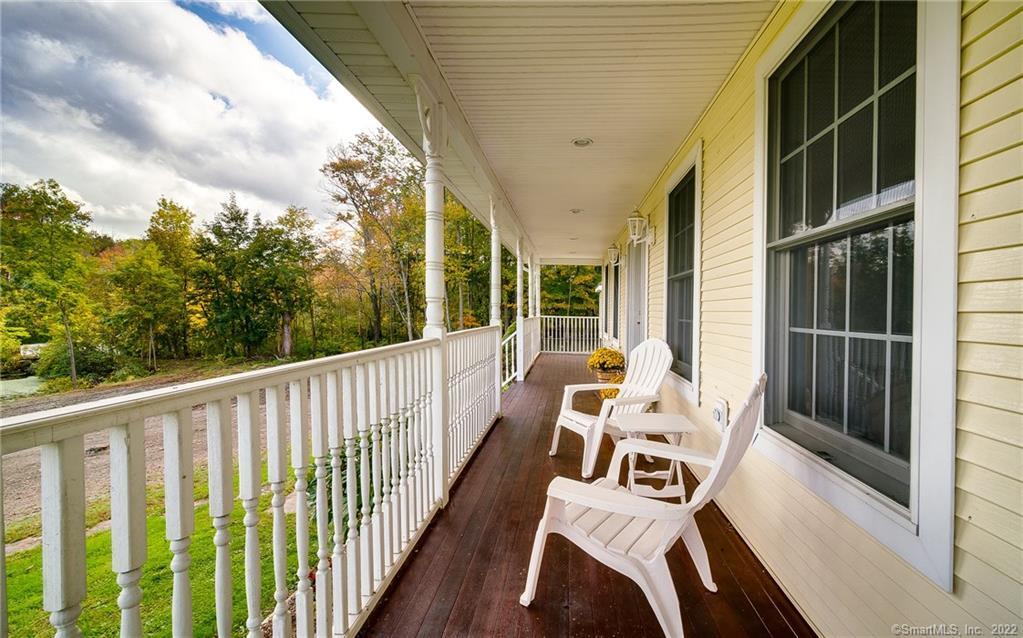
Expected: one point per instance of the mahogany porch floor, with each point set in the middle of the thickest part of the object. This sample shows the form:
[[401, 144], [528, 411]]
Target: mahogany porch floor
[[465, 577]]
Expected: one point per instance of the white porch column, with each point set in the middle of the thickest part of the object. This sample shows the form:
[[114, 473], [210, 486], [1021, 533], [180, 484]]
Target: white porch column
[[495, 268], [433, 119], [495, 301], [520, 368]]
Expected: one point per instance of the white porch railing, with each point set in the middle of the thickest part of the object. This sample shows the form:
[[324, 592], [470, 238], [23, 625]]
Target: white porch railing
[[472, 392], [577, 335], [509, 365], [363, 419], [530, 341]]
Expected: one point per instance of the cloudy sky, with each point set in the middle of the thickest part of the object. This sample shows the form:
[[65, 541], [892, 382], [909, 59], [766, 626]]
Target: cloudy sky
[[125, 102]]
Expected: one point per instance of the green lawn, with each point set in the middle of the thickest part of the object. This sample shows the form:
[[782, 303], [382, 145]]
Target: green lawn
[[100, 614]]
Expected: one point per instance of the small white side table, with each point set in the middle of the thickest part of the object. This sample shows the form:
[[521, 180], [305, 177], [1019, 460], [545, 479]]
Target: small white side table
[[672, 427]]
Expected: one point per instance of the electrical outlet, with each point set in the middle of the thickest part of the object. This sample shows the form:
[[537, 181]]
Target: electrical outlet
[[720, 414]]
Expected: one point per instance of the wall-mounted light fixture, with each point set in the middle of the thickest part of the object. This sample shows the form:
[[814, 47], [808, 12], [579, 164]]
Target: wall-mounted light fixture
[[639, 230], [612, 255]]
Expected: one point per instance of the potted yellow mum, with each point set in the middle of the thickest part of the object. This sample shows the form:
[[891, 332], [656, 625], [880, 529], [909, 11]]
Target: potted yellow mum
[[606, 363]]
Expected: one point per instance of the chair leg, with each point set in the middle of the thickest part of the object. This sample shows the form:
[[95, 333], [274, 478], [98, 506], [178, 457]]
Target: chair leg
[[539, 542], [694, 543], [656, 583], [591, 448], [554, 441]]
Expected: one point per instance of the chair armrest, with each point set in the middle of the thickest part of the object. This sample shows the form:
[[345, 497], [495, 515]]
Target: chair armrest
[[656, 449], [571, 390], [649, 398], [611, 500]]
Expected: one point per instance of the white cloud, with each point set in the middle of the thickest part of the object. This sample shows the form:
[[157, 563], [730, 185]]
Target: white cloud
[[124, 103], [244, 9]]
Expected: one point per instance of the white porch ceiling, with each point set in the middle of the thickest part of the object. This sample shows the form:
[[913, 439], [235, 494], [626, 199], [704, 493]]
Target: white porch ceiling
[[525, 80]]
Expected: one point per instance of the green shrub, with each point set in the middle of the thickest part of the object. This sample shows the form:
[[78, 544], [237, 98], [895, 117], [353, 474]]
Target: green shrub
[[91, 362], [128, 371]]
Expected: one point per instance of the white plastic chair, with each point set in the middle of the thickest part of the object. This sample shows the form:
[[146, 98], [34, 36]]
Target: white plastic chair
[[648, 364], [631, 534]]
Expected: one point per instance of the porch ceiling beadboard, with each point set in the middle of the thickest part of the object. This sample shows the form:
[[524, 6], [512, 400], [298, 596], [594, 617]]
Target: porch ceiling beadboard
[[533, 77]]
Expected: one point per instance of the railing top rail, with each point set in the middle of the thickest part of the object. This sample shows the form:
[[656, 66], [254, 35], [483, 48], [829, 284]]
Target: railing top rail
[[468, 332], [569, 317], [47, 426], [508, 338]]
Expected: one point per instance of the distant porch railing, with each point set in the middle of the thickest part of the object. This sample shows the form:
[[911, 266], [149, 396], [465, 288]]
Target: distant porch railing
[[578, 335], [380, 431]]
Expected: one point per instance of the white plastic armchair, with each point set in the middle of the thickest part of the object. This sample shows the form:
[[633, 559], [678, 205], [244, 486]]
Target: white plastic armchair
[[632, 534], [648, 364]]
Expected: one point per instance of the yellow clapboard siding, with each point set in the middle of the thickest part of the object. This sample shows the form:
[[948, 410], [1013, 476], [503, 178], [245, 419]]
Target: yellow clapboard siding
[[992, 139], [1000, 555], [985, 18], [991, 328], [985, 358], [992, 296], [995, 42], [994, 75], [997, 392], [991, 265], [1001, 167], [995, 201], [991, 108], [991, 486], [991, 233], [1004, 524], [994, 423], [1003, 589], [988, 453]]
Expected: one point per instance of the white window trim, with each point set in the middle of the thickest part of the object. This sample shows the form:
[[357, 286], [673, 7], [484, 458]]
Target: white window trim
[[694, 160], [630, 299], [923, 535]]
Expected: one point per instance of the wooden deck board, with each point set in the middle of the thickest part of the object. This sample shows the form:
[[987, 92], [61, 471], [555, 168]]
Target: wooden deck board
[[470, 567]]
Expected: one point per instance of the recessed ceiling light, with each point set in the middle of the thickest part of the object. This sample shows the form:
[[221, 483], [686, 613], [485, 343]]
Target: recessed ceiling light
[[582, 142], [575, 211], [573, 238]]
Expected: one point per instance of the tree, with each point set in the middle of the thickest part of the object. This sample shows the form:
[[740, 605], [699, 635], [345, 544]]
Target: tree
[[170, 230], [44, 236], [570, 290], [147, 302]]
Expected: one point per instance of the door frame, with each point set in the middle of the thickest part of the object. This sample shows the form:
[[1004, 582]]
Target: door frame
[[636, 294]]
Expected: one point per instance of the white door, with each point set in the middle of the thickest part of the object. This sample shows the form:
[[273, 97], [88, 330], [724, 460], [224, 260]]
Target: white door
[[636, 314]]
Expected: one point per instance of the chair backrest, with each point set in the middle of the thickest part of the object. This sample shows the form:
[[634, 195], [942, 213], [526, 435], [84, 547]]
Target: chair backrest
[[736, 440], [648, 364]]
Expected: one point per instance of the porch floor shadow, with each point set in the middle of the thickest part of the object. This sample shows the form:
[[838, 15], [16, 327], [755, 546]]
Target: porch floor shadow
[[467, 572]]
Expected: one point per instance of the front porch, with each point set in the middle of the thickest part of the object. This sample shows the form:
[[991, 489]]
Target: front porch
[[466, 574]]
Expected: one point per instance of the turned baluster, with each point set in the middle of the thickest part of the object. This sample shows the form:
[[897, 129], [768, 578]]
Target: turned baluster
[[128, 519], [249, 484], [179, 506], [384, 383], [377, 558], [348, 422], [339, 568], [298, 408], [318, 421], [277, 474], [365, 496], [62, 492], [220, 455]]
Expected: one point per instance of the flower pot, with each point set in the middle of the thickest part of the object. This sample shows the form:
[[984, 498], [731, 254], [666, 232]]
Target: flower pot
[[606, 376]]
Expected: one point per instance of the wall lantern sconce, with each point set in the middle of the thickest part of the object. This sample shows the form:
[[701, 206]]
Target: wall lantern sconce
[[639, 230], [612, 255]]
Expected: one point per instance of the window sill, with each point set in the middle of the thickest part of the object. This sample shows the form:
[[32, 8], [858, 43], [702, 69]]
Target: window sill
[[885, 519], [686, 388]]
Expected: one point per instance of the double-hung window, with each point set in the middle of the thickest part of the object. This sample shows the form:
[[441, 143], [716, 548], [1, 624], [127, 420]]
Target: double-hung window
[[840, 242], [681, 246]]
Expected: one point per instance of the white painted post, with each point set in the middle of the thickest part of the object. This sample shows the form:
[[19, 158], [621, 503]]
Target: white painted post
[[298, 406], [221, 491], [277, 474], [179, 506], [128, 519], [495, 301], [339, 563], [433, 117], [520, 329], [63, 499], [249, 484], [318, 421]]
